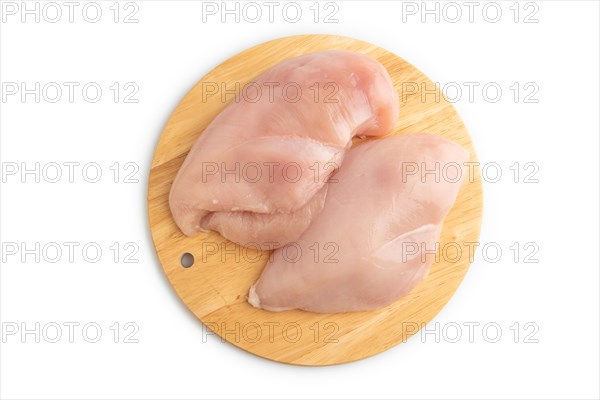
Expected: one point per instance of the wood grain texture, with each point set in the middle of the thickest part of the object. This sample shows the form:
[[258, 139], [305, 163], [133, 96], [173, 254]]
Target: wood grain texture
[[216, 286]]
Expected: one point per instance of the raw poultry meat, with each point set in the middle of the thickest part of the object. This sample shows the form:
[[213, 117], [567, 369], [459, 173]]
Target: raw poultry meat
[[267, 230], [257, 173], [372, 242]]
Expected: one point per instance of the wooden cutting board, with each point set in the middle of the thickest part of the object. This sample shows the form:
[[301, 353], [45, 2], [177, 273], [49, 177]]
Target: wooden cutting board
[[215, 287]]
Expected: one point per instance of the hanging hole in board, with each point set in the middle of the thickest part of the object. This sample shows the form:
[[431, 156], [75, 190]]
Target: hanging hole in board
[[187, 260]]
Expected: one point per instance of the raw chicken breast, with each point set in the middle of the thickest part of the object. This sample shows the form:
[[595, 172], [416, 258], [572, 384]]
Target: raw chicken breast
[[266, 229], [372, 242], [255, 171]]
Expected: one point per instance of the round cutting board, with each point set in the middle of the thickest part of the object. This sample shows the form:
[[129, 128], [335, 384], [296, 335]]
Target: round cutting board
[[215, 286]]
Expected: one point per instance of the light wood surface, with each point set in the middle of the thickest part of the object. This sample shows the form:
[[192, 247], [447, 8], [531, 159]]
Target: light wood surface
[[216, 286]]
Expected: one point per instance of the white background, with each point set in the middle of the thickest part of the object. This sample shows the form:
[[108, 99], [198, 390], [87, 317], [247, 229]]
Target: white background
[[165, 53]]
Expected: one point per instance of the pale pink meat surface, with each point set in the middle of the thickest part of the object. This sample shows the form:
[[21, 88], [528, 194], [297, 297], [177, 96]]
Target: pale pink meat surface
[[255, 170], [372, 242]]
